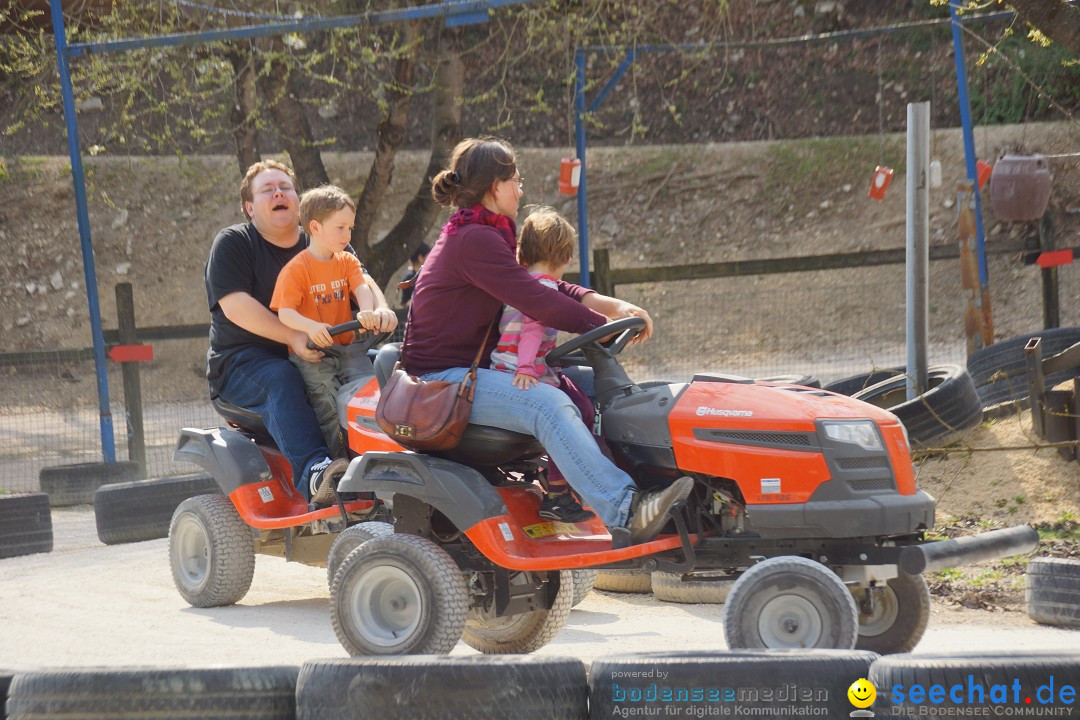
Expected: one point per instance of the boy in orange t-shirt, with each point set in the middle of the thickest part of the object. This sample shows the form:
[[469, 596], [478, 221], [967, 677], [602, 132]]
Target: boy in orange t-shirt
[[312, 294]]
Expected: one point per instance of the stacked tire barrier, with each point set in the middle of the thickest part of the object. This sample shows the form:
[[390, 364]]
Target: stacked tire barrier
[[770, 684], [25, 525], [142, 510], [75, 484], [999, 371]]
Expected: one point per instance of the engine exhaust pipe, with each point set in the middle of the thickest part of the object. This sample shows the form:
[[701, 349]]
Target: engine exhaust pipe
[[931, 556]]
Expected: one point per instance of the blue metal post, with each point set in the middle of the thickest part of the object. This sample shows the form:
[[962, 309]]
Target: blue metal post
[[108, 448], [969, 142], [582, 206]]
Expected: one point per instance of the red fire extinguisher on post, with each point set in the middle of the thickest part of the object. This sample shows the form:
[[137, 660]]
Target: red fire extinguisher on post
[[880, 183]]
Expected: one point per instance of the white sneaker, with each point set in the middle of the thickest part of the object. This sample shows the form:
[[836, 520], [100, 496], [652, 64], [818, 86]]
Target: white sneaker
[[324, 476], [653, 509]]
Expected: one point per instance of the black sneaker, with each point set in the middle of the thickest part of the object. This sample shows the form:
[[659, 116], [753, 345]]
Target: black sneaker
[[324, 477], [651, 513], [563, 507]]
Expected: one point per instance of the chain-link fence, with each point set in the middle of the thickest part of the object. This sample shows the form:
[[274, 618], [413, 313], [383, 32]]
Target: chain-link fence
[[827, 324]]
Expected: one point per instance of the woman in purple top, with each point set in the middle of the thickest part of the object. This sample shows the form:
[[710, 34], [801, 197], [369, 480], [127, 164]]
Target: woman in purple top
[[470, 274]]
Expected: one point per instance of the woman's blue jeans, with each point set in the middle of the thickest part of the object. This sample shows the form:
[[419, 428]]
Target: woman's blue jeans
[[548, 414], [264, 382]]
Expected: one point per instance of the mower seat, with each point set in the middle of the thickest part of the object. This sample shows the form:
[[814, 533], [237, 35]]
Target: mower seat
[[244, 419], [480, 445]]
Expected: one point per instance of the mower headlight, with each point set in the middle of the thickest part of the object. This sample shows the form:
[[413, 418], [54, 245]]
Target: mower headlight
[[863, 433]]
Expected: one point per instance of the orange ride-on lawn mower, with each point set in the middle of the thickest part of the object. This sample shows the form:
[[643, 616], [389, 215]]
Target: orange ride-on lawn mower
[[213, 539], [807, 498]]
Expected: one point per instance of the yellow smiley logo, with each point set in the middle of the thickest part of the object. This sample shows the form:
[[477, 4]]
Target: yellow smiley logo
[[861, 693]]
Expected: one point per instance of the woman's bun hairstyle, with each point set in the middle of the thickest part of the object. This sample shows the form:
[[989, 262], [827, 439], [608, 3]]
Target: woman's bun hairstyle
[[475, 164]]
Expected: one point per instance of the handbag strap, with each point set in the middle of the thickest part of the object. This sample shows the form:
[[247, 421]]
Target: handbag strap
[[476, 361]]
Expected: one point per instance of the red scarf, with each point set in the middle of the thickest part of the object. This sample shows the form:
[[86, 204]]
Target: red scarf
[[480, 215]]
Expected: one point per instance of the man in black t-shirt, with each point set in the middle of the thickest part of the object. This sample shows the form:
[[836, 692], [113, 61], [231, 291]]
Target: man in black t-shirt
[[247, 364]]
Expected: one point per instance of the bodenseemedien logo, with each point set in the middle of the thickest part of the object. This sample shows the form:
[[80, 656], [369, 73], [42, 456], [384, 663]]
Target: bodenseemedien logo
[[861, 694]]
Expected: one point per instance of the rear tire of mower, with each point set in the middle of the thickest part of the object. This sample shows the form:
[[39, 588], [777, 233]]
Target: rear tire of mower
[[257, 693], [25, 525], [624, 581], [901, 613], [522, 633], [211, 551], [348, 540], [584, 580], [143, 510], [75, 484], [1053, 591]]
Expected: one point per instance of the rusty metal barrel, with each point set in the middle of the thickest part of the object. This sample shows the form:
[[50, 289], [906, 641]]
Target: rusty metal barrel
[[1020, 187]]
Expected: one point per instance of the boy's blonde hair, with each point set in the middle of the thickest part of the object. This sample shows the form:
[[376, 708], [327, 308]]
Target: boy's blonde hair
[[546, 236], [322, 202]]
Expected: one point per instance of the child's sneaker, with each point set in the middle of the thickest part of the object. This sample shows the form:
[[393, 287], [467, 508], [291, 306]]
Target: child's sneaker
[[563, 507], [324, 476]]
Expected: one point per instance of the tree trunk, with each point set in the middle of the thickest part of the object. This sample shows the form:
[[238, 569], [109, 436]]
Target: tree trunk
[[1056, 19], [391, 135], [245, 131], [277, 86], [386, 256]]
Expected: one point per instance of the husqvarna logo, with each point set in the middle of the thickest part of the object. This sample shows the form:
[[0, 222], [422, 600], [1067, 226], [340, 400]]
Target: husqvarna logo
[[722, 412]]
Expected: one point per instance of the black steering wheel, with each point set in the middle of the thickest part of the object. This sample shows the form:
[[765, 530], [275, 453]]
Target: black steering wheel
[[624, 330], [334, 350]]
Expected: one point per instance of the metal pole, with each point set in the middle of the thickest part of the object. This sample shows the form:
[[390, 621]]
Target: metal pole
[[969, 143], [918, 244], [108, 449], [579, 136]]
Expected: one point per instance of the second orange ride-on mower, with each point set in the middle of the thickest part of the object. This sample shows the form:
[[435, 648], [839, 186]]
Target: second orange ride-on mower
[[806, 498]]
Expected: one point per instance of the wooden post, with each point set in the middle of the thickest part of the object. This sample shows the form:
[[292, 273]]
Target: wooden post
[[125, 324], [602, 273], [1051, 305], [1036, 382], [978, 324]]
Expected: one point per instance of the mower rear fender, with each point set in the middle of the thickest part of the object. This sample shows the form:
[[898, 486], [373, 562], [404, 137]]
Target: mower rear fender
[[458, 492], [232, 459]]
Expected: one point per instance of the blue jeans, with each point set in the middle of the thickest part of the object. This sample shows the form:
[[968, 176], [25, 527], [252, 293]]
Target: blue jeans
[[267, 383], [548, 414]]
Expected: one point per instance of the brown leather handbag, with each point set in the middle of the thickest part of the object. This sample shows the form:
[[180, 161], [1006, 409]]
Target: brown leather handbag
[[426, 415]]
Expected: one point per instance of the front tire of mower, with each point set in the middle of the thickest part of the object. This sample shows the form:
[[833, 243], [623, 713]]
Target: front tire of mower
[[790, 603], [524, 632], [348, 540], [898, 621], [211, 551], [398, 595]]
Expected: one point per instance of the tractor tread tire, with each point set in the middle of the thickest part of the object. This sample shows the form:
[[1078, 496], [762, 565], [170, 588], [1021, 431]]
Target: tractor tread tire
[[523, 633], [348, 540], [231, 562], [584, 580]]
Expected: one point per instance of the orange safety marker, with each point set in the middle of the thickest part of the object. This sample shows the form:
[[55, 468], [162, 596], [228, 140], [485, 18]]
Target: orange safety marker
[[1053, 258], [569, 176], [131, 353], [880, 183], [983, 170]]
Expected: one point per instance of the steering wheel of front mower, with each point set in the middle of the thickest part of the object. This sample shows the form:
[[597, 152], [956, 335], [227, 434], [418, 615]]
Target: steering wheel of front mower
[[334, 350], [624, 329]]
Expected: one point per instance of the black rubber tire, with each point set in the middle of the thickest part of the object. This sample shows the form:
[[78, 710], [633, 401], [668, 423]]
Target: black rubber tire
[[1031, 669], [710, 588], [1000, 370], [142, 510], [25, 525], [800, 604], [857, 383], [624, 581], [726, 680], [75, 484], [522, 633], [258, 693], [1053, 591], [211, 551], [583, 585], [5, 682], [348, 540], [939, 416], [385, 575], [801, 380], [901, 613], [443, 688]]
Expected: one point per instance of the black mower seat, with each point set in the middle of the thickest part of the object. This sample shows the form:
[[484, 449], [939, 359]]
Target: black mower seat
[[244, 419], [481, 445]]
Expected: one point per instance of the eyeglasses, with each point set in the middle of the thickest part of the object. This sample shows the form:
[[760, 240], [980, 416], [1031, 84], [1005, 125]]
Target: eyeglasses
[[519, 180]]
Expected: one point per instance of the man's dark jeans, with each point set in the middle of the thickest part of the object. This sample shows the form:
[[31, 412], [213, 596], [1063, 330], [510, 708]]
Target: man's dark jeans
[[266, 383]]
